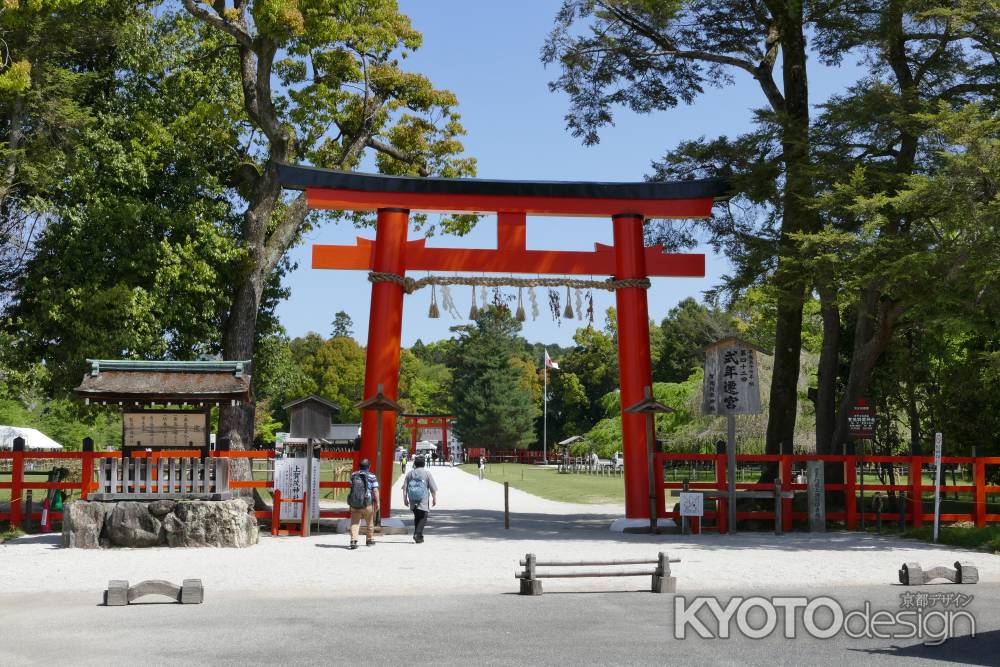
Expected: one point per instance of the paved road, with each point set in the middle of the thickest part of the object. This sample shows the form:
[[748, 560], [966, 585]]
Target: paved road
[[555, 629]]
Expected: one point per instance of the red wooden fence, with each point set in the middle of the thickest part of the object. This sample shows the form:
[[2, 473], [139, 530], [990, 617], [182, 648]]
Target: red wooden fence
[[86, 485], [912, 491]]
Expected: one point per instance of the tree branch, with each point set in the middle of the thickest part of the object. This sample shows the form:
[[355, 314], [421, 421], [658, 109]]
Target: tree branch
[[395, 153], [237, 31]]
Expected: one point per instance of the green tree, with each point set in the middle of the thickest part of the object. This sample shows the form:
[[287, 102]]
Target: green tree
[[342, 325], [920, 55], [491, 397], [321, 84], [650, 56], [333, 368], [136, 259], [684, 332]]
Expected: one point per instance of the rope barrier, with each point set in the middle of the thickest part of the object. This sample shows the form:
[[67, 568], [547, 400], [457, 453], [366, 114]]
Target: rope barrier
[[411, 285]]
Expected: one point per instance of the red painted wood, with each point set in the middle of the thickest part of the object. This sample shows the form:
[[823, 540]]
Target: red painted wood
[[357, 200], [916, 493], [979, 497], [505, 259], [385, 326], [850, 494], [635, 368], [722, 484]]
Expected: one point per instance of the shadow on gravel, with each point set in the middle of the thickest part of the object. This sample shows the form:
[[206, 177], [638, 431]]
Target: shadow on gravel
[[488, 524], [979, 650]]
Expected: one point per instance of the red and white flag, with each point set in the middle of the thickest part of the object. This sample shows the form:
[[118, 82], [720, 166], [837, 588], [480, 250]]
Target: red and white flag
[[549, 363]]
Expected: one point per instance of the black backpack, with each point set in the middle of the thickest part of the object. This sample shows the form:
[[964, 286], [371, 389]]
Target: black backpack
[[358, 498]]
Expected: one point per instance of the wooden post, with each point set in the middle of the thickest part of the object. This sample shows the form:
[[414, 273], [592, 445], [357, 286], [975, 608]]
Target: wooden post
[[778, 524], [87, 474], [916, 502], [979, 492], [786, 503], [685, 526], [27, 512], [861, 460], [506, 505], [275, 511], [850, 492], [306, 514], [529, 584], [721, 505], [650, 464], [731, 464], [304, 528], [16, 480], [877, 501]]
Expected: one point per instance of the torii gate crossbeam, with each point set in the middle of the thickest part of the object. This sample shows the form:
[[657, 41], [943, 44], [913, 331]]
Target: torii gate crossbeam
[[628, 205]]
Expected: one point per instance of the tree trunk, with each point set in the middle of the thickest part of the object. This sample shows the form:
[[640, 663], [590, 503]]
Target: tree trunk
[[873, 331], [236, 421], [796, 217], [826, 389]]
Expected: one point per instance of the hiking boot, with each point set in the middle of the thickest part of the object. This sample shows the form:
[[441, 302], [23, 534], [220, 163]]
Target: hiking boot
[[419, 539], [354, 544], [370, 542]]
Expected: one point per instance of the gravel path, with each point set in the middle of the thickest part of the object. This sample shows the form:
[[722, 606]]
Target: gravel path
[[468, 551]]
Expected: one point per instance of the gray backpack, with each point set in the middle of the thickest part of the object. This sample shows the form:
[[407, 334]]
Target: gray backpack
[[359, 497]]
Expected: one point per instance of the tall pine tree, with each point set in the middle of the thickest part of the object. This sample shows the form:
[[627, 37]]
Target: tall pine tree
[[492, 398]]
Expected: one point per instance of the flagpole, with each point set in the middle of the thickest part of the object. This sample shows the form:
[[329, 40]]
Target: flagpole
[[545, 410]]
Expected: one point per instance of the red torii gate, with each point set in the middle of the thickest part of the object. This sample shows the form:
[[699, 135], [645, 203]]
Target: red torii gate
[[627, 204], [417, 422]]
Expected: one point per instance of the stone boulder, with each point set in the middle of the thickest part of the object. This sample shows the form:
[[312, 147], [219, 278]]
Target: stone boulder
[[161, 508], [196, 523], [82, 524], [132, 525]]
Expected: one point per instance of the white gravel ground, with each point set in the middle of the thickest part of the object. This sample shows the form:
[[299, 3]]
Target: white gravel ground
[[468, 551]]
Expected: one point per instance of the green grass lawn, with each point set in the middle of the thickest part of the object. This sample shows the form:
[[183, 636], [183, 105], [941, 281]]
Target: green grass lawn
[[547, 483]]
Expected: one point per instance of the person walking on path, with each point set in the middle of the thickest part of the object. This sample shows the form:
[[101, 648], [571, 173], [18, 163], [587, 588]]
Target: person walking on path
[[482, 467], [402, 464], [420, 494], [364, 503]]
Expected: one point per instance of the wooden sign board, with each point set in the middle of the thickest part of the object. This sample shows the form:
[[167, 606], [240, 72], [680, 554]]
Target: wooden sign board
[[165, 429], [731, 385], [817, 496]]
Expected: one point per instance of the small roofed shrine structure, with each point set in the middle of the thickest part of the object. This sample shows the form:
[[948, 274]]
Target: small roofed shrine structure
[[311, 417], [166, 405], [628, 263]]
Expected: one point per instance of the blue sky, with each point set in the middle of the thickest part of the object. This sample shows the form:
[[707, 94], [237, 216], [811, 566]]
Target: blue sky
[[488, 54]]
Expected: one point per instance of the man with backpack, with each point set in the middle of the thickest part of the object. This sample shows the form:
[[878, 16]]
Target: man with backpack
[[420, 494], [364, 503]]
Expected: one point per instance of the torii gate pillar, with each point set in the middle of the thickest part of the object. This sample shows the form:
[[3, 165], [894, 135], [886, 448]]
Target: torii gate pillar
[[634, 365], [385, 328]]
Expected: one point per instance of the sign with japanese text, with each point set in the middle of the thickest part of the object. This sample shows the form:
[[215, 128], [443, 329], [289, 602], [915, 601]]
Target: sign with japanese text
[[861, 420], [730, 386], [692, 504], [162, 428], [290, 479]]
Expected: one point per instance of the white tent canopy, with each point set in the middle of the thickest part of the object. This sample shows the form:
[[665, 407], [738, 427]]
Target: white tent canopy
[[425, 445], [34, 439]]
